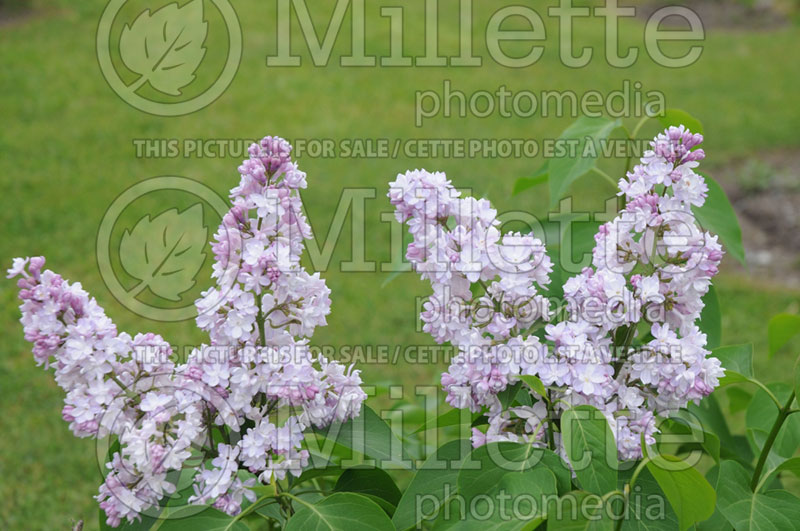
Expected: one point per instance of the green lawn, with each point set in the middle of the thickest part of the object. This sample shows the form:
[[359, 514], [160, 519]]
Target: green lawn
[[66, 151]]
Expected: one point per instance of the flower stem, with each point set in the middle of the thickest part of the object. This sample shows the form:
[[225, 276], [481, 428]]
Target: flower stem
[[260, 318], [773, 434], [551, 441], [622, 353]]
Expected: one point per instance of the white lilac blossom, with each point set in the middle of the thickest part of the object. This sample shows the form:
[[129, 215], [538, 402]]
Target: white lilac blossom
[[628, 344], [256, 377]]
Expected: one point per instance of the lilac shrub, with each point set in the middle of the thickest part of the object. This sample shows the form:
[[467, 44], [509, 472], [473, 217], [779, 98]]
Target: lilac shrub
[[256, 381], [627, 343]]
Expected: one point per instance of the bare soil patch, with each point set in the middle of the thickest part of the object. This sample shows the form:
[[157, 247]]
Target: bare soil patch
[[726, 14], [14, 12], [766, 195]]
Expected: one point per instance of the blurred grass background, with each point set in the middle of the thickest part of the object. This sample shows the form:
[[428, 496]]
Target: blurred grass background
[[66, 151]]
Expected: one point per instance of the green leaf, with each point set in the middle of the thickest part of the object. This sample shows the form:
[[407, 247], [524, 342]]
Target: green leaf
[[500, 473], [717, 216], [432, 483], [403, 268], [535, 384], [523, 183], [370, 482], [711, 319], [688, 492], [757, 438], [175, 509], [680, 117], [559, 468], [648, 509], [717, 522], [342, 511], [797, 378], [685, 424], [390, 277], [563, 171], [738, 399], [144, 524], [452, 417], [790, 465], [273, 511], [590, 447], [737, 360], [498, 459], [319, 468], [165, 47], [761, 415], [555, 290], [710, 416], [366, 434], [507, 395], [208, 520], [577, 242], [781, 329], [769, 511], [166, 252], [590, 513], [551, 236]]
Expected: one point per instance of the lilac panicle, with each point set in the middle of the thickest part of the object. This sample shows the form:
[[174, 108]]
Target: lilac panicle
[[256, 377], [651, 267]]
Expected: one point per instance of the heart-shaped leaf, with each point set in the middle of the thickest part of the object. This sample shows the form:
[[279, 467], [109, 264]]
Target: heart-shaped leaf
[[370, 482], [717, 522], [761, 415], [367, 434], [451, 417], [591, 513], [591, 449], [710, 416], [210, 520], [797, 378], [494, 460], [435, 481], [790, 465], [577, 242], [535, 384], [500, 475], [523, 183], [738, 399], [587, 135], [737, 360], [342, 511], [690, 432], [745, 510], [711, 319], [681, 117], [717, 216], [647, 508], [782, 328], [691, 496]]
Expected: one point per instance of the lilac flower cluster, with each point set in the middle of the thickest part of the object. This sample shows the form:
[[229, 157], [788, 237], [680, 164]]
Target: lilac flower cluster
[[628, 345], [269, 301], [256, 381]]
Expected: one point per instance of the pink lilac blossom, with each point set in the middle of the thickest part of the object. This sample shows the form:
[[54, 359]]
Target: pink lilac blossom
[[651, 266], [256, 377]]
